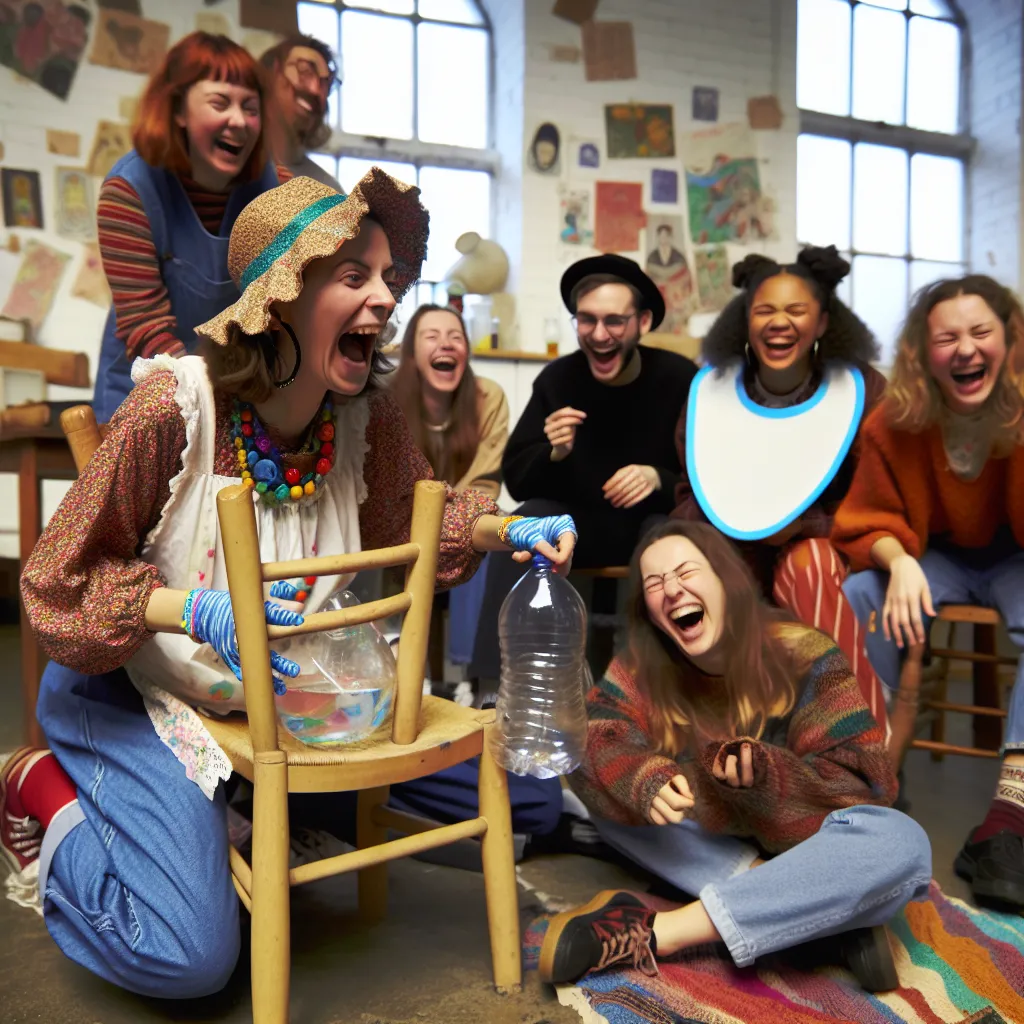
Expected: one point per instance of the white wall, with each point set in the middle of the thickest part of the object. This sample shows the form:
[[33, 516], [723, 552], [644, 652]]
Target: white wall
[[743, 48], [994, 110]]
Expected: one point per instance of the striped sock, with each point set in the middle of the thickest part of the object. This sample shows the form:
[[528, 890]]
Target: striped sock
[[1006, 812]]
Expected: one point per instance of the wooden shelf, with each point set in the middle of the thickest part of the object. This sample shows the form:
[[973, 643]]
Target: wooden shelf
[[513, 356]]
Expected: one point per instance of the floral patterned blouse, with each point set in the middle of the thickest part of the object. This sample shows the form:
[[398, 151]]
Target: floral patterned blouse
[[85, 589]]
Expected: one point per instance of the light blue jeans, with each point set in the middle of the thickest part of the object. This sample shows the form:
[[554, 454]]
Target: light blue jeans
[[862, 866], [985, 576]]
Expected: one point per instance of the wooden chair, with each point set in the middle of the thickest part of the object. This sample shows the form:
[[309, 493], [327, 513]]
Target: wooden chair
[[987, 708], [427, 734]]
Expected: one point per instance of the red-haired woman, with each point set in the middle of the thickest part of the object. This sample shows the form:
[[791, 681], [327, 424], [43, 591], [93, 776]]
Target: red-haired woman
[[166, 209], [730, 752]]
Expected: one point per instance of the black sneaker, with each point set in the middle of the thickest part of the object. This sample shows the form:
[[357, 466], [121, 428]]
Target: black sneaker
[[866, 952], [995, 868], [613, 928]]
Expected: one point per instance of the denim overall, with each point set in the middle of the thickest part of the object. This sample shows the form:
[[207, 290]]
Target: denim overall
[[193, 265]]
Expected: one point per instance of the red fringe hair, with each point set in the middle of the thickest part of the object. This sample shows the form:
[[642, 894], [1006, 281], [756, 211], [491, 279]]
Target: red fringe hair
[[196, 58]]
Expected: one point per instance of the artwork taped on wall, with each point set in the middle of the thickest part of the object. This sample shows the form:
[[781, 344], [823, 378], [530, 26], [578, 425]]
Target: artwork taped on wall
[[35, 285], [618, 216], [128, 42], [669, 269], [63, 143], [23, 204], [723, 187], [609, 52], [664, 186], [76, 204], [575, 226], [269, 16], [639, 130], [714, 276], [90, 281], [704, 103], [44, 42], [111, 142]]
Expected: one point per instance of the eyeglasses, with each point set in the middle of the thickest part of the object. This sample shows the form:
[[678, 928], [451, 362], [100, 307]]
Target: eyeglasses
[[655, 584], [615, 324], [309, 76]]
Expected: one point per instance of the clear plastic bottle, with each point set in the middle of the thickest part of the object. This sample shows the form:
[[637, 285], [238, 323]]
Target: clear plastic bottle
[[541, 717], [346, 685]]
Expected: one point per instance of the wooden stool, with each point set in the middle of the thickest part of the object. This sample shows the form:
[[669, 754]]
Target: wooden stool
[[987, 707]]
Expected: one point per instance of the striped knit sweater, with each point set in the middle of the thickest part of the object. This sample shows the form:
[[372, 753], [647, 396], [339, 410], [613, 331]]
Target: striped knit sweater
[[143, 308], [826, 754]]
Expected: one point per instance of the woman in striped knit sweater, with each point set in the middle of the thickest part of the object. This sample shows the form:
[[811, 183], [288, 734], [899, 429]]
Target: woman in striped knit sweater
[[166, 209], [730, 752]]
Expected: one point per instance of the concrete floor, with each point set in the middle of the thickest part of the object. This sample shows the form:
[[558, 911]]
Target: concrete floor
[[429, 962]]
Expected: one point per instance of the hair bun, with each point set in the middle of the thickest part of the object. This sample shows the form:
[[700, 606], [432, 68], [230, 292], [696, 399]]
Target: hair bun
[[824, 264], [744, 271]]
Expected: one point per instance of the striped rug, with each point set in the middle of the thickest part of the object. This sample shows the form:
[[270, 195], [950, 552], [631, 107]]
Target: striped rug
[[955, 963]]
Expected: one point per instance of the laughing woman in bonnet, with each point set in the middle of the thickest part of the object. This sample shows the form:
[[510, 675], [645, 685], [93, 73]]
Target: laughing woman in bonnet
[[768, 437], [121, 822]]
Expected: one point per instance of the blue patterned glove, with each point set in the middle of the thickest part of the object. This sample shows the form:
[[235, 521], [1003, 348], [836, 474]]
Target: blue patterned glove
[[208, 619], [523, 534]]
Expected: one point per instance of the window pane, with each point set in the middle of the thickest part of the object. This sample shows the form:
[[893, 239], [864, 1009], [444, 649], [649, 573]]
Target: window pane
[[892, 5], [321, 22], [879, 55], [823, 56], [880, 298], [823, 191], [879, 199], [933, 78], [844, 289], [391, 6], [373, 102], [458, 201], [938, 8], [936, 207], [924, 273], [453, 85], [351, 170], [464, 11], [327, 162]]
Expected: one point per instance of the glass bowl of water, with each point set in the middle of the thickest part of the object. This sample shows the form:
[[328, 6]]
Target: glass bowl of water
[[345, 687]]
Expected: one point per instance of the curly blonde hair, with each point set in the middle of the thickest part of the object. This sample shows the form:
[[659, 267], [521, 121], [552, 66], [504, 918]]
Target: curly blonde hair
[[913, 400]]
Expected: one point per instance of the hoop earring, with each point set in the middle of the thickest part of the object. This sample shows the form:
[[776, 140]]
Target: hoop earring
[[298, 358], [748, 355], [814, 351]]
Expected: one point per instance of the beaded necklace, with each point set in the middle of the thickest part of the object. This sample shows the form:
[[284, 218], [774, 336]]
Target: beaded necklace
[[260, 461]]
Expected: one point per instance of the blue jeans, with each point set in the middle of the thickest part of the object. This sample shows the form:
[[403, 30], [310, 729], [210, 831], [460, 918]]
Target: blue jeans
[[989, 577], [134, 876], [862, 866]]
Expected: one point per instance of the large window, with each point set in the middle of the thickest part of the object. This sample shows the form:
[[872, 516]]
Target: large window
[[415, 99], [882, 150]]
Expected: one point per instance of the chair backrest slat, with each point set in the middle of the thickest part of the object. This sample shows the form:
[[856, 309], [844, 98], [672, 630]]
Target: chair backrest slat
[[340, 565], [319, 621]]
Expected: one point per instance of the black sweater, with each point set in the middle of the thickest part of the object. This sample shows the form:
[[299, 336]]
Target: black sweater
[[631, 424]]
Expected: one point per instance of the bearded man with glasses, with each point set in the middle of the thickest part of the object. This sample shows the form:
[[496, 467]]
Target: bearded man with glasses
[[301, 76], [596, 438]]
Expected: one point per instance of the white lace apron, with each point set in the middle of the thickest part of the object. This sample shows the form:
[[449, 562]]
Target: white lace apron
[[185, 545]]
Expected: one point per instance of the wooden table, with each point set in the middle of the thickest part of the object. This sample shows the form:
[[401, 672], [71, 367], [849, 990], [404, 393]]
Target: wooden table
[[40, 455]]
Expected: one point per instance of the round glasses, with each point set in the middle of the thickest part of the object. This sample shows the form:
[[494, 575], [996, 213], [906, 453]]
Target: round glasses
[[310, 78], [615, 324]]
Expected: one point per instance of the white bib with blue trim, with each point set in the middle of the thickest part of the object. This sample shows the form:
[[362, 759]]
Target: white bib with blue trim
[[754, 470]]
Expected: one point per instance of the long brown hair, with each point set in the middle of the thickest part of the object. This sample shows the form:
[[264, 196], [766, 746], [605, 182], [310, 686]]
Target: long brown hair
[[462, 438], [913, 400], [758, 682]]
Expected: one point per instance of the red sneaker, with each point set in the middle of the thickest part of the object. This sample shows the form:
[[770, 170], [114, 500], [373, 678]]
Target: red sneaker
[[614, 928], [20, 838]]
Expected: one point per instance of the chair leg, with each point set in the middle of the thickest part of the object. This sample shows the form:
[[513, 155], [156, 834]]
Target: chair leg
[[373, 882], [500, 873], [987, 729], [271, 935], [938, 728]]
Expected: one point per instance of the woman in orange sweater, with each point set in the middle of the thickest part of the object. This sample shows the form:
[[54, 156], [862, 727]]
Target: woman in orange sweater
[[935, 515]]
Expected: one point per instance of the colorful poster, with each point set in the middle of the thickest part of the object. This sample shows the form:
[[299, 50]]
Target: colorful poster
[[111, 143], [128, 42], [44, 41], [639, 130], [91, 281], [35, 285], [714, 276], [76, 204], [668, 268], [23, 206], [619, 216], [575, 228], [664, 186], [723, 187]]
